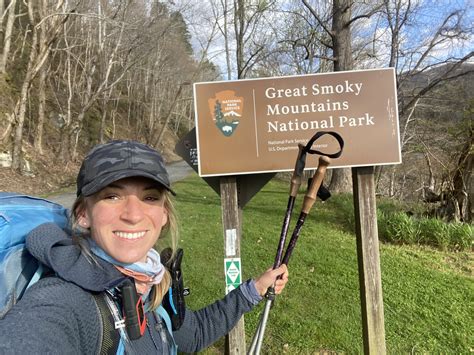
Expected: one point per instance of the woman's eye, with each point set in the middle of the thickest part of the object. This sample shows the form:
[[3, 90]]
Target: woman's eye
[[111, 197], [152, 198]]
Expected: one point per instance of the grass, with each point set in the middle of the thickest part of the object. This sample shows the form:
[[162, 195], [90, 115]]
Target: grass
[[428, 293]]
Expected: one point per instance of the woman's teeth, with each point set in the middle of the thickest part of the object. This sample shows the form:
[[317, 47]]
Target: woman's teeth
[[126, 235]]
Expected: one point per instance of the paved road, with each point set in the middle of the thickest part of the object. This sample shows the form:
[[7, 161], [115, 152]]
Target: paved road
[[177, 171]]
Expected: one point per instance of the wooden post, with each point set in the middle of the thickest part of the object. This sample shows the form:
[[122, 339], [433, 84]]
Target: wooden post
[[370, 280], [232, 220]]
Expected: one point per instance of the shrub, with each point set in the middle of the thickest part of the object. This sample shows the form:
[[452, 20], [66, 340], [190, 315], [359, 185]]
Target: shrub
[[461, 236], [382, 224], [401, 228], [434, 232]]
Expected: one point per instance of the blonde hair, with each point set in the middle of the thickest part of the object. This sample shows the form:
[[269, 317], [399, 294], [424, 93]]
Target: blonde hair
[[80, 236]]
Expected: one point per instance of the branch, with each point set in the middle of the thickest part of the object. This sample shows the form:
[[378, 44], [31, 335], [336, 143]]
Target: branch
[[435, 40], [445, 77], [368, 15], [315, 15]]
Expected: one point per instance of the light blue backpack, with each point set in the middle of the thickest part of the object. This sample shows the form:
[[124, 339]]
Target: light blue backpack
[[19, 214]]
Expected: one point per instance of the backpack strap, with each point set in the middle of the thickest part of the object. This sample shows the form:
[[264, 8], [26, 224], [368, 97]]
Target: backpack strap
[[114, 320], [114, 336], [161, 312], [110, 336], [39, 273]]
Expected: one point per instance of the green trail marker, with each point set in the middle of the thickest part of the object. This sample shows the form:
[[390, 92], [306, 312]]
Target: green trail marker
[[233, 273]]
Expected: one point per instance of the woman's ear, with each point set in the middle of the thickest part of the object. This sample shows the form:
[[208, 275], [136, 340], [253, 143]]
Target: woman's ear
[[80, 213], [164, 218], [83, 221]]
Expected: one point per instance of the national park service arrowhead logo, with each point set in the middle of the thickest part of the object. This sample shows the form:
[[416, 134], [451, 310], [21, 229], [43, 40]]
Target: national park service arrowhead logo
[[226, 110]]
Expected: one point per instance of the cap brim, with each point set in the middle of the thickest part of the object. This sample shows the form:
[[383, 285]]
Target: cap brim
[[103, 181]]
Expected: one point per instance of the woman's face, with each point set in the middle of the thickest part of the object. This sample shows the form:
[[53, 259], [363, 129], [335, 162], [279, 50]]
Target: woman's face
[[125, 218]]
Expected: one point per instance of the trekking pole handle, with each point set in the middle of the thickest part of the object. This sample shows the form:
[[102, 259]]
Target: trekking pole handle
[[295, 181], [316, 182]]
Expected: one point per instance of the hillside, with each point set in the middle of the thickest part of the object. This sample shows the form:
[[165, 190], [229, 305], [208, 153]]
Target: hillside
[[45, 175]]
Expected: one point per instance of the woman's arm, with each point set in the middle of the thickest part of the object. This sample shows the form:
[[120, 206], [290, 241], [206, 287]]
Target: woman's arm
[[202, 328]]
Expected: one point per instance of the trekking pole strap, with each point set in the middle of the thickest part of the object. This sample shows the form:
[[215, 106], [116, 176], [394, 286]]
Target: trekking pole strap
[[301, 160], [319, 135]]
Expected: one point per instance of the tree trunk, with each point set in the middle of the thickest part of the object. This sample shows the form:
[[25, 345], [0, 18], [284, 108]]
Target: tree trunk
[[8, 129], [239, 25], [19, 124], [226, 42], [463, 182], [38, 57], [63, 153], [2, 9], [21, 113], [103, 119], [341, 180], [7, 36], [38, 141]]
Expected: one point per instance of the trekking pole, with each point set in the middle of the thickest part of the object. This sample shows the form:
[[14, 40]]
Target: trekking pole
[[308, 202], [321, 192], [295, 184]]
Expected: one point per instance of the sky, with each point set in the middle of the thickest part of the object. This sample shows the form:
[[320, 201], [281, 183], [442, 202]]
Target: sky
[[201, 18]]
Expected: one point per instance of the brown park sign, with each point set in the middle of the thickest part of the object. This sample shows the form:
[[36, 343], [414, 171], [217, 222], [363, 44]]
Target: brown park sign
[[255, 125]]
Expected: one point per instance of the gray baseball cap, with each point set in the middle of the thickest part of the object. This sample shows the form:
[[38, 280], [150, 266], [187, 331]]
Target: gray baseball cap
[[119, 159]]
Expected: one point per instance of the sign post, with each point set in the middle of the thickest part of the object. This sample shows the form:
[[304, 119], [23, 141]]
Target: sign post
[[247, 130], [368, 258], [235, 192], [232, 225]]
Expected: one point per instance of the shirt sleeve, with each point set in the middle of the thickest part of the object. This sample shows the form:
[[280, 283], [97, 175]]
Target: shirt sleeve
[[250, 292]]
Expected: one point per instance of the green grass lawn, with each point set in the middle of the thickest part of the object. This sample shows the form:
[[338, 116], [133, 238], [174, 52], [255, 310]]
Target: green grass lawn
[[428, 294]]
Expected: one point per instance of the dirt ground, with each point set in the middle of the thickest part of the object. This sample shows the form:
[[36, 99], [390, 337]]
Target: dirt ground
[[46, 176]]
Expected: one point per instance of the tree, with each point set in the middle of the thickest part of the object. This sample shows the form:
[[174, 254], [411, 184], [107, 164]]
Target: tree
[[342, 53], [420, 73], [84, 60], [250, 44], [340, 44], [37, 57], [10, 13]]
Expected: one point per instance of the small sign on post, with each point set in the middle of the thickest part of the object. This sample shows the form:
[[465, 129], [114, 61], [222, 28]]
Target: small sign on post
[[233, 273]]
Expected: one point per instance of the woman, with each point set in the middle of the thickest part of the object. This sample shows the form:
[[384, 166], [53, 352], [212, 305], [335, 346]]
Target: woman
[[123, 205]]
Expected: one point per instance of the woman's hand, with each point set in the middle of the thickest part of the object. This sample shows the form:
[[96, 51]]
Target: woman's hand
[[269, 277]]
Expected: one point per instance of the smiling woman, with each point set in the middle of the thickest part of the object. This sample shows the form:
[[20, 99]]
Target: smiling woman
[[125, 218], [123, 206]]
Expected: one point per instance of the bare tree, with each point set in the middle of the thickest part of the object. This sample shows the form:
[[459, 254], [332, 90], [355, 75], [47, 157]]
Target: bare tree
[[10, 13], [419, 70], [37, 57], [249, 47], [339, 32]]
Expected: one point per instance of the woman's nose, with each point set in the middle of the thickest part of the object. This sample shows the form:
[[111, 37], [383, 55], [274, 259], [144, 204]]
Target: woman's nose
[[132, 210]]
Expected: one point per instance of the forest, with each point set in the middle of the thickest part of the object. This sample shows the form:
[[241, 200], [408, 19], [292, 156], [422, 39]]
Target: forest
[[77, 72]]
